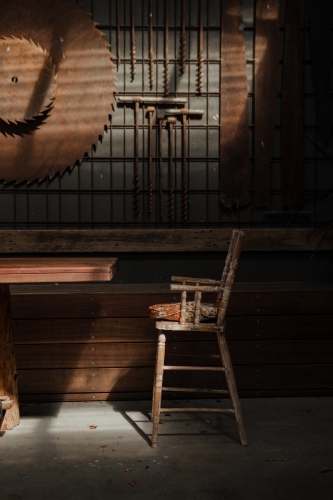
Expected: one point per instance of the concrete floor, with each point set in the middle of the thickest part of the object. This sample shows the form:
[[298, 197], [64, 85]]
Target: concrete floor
[[54, 454]]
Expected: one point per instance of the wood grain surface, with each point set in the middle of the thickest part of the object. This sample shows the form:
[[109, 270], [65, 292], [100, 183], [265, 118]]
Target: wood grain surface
[[161, 240], [56, 269], [279, 336], [8, 373]]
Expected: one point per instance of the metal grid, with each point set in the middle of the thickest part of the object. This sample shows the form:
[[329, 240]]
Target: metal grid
[[99, 192]]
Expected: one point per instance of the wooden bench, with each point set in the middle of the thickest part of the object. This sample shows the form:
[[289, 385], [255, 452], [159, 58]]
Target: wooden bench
[[36, 270]]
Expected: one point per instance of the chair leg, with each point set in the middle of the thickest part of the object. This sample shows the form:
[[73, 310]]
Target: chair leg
[[229, 373], [157, 390]]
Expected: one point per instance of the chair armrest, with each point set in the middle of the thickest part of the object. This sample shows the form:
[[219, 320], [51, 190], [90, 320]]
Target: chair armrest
[[200, 281], [195, 288]]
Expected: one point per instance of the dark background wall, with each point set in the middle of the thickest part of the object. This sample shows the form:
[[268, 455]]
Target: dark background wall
[[99, 192]]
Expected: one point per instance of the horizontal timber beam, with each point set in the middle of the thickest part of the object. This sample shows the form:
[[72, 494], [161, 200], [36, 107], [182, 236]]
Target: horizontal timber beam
[[160, 240]]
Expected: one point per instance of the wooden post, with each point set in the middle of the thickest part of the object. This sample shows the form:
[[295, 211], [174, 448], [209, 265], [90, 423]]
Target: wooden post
[[8, 373]]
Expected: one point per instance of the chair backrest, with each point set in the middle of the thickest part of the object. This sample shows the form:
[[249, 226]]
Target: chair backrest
[[229, 272]]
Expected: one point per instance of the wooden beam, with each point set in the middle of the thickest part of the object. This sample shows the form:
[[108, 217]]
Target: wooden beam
[[160, 240]]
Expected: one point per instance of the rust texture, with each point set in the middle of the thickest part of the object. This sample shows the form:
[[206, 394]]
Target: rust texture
[[234, 125], [151, 49], [183, 39], [292, 105], [133, 44], [150, 111], [266, 78], [52, 109], [160, 164], [166, 50], [171, 123], [118, 36], [136, 179], [200, 50]]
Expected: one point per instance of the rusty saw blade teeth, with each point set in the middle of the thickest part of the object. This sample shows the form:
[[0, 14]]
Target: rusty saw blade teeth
[[68, 106], [25, 68]]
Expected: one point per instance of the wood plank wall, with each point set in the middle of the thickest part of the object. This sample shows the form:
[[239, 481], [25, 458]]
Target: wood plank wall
[[97, 343]]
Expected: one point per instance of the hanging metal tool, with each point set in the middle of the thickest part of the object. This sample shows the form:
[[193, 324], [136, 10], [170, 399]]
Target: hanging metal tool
[[266, 78], [183, 39], [185, 114], [118, 35], [292, 107], [320, 21], [137, 100], [136, 160], [150, 111], [171, 123], [200, 52], [133, 46], [234, 123], [160, 163], [151, 51], [157, 100], [166, 50]]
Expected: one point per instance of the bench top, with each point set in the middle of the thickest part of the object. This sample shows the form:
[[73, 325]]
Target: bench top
[[56, 269]]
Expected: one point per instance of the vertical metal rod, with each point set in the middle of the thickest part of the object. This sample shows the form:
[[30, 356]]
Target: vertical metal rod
[[160, 164], [133, 46], [118, 34], [183, 40], [166, 50], [184, 169], [200, 55], [151, 51], [150, 111], [136, 164], [171, 123]]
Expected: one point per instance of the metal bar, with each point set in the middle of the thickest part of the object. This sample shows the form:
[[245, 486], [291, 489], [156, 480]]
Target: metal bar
[[160, 164], [184, 169], [292, 110], [136, 165], [118, 34], [183, 39], [160, 100], [150, 111], [234, 132], [200, 51], [265, 85], [166, 50], [171, 122], [133, 46], [151, 51], [184, 111]]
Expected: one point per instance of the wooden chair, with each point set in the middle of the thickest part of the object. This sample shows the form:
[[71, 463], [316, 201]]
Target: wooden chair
[[187, 316]]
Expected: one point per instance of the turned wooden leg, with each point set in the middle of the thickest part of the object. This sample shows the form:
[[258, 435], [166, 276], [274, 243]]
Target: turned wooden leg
[[229, 373], [157, 389], [8, 373]]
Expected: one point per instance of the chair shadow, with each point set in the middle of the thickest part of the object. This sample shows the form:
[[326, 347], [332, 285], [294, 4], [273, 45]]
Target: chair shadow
[[215, 428], [135, 426]]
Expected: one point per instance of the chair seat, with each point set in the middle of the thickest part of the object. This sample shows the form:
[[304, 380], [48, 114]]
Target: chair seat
[[171, 312]]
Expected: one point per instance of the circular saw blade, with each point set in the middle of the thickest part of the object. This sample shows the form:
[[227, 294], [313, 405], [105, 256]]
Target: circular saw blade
[[81, 96], [25, 69]]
